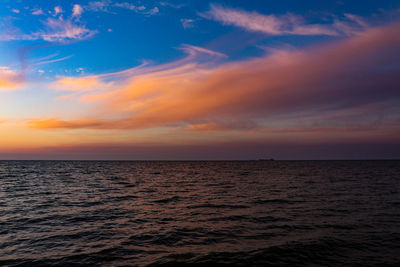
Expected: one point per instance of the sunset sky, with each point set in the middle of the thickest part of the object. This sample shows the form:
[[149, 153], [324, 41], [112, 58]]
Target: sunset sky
[[118, 79]]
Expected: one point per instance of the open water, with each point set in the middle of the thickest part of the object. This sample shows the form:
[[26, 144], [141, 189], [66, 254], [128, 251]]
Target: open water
[[244, 213]]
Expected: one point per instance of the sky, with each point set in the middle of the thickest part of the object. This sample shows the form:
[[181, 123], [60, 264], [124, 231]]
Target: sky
[[118, 79]]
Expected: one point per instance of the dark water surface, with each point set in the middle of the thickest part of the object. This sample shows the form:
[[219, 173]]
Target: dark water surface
[[253, 213]]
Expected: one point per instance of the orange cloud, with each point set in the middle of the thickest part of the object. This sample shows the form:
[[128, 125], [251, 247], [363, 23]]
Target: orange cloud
[[80, 84], [320, 80], [9, 79], [222, 126], [54, 123], [5, 85]]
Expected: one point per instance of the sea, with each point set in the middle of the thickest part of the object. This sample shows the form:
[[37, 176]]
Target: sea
[[200, 213]]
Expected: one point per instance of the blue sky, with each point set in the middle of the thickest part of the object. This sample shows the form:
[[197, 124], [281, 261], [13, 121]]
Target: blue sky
[[121, 34], [172, 75]]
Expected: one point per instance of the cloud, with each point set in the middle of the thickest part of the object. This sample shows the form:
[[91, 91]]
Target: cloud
[[130, 6], [59, 30], [12, 36], [196, 50], [9, 79], [126, 5], [15, 11], [57, 10], [97, 6], [351, 25], [37, 11], [172, 5], [8, 32], [187, 23], [108, 6], [77, 10], [53, 29], [79, 84], [42, 62], [152, 11], [283, 24], [54, 123], [222, 126], [351, 84]]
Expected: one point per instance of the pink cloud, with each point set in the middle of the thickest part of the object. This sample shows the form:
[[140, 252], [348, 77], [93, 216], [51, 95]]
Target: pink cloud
[[54, 30], [187, 23], [77, 10], [348, 81], [62, 30], [37, 11], [57, 10], [283, 24], [9, 79]]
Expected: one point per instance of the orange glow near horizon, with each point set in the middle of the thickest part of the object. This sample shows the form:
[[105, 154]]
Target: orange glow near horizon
[[282, 96]]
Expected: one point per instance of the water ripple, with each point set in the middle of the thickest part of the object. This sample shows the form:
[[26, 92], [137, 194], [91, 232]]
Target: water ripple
[[250, 213]]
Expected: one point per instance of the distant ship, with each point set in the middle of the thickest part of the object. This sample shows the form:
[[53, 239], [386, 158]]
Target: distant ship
[[271, 159]]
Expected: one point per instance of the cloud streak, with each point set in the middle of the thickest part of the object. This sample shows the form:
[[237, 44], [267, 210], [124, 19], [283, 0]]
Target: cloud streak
[[348, 81], [288, 24]]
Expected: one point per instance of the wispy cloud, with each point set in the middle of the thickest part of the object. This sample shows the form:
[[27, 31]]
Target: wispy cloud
[[54, 123], [80, 84], [342, 78], [173, 5], [109, 7], [153, 11], [37, 11], [130, 6], [229, 125], [193, 51], [59, 30], [187, 23], [8, 32], [42, 62], [102, 5], [54, 29], [350, 25], [282, 24]]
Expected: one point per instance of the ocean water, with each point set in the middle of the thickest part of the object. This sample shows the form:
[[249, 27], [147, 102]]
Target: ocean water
[[243, 213]]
